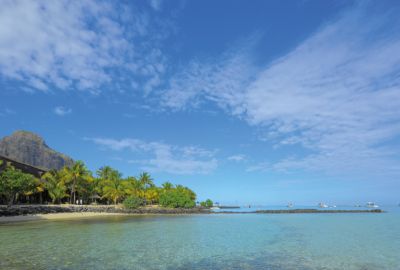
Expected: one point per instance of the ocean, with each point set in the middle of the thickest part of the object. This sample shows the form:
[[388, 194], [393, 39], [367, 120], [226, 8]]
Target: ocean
[[219, 241]]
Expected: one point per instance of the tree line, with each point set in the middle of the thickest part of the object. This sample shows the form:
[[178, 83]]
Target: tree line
[[78, 185]]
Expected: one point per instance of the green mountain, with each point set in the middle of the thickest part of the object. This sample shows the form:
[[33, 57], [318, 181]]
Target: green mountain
[[30, 148]]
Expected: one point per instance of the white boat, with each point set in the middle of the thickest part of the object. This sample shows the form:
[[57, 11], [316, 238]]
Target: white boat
[[290, 205], [215, 208], [322, 205], [372, 205]]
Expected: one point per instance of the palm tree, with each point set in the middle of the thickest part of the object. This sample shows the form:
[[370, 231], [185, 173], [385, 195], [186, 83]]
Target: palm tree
[[114, 188], [134, 187], [96, 188], [53, 182], [187, 191], [105, 172], [167, 186], [74, 176], [146, 180], [86, 187], [152, 195]]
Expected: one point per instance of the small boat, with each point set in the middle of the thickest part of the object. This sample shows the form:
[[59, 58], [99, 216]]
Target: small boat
[[322, 205], [372, 205], [290, 205], [215, 208]]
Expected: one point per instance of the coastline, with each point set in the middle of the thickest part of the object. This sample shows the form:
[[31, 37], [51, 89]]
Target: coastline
[[55, 216], [22, 213], [32, 212]]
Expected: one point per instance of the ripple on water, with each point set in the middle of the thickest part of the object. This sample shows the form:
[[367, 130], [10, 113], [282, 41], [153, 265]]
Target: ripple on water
[[254, 242]]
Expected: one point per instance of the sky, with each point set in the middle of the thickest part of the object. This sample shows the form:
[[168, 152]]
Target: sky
[[261, 102]]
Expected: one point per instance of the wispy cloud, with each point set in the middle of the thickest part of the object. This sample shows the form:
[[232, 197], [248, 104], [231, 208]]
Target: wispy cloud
[[164, 157], [61, 111], [220, 81], [337, 94], [237, 158], [6, 111], [76, 44]]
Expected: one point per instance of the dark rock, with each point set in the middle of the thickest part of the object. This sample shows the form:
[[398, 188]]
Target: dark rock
[[29, 148]]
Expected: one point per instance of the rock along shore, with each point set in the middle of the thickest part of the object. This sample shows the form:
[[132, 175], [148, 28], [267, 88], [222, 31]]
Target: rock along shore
[[18, 210], [304, 211]]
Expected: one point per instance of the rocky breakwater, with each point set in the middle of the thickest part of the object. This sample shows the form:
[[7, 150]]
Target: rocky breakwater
[[18, 210], [304, 211]]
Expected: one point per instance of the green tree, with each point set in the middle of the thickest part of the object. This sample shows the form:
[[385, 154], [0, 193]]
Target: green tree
[[96, 188], [114, 188], [207, 203], [152, 195], [53, 182], [13, 182], [187, 191], [134, 187], [105, 172], [167, 186], [146, 180], [176, 198], [75, 175]]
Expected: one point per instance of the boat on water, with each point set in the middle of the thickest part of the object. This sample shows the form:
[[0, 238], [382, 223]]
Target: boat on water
[[322, 205], [290, 205], [215, 208], [372, 205]]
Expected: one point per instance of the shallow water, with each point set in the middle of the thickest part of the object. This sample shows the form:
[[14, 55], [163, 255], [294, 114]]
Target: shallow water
[[237, 241]]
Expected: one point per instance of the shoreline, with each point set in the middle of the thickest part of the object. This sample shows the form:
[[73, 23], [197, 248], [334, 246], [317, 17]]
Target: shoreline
[[22, 213], [43, 210], [55, 216]]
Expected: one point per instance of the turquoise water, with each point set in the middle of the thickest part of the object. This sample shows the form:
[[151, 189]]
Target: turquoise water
[[236, 241]]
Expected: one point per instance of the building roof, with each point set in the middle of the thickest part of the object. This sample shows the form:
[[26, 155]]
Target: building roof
[[26, 168]]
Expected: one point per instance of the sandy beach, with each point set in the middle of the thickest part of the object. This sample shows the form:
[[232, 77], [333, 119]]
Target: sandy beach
[[56, 216]]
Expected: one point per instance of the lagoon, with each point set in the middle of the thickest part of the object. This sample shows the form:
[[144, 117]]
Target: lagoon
[[241, 241]]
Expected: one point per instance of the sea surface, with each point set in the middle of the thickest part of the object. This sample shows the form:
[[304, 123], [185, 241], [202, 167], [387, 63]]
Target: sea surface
[[218, 241]]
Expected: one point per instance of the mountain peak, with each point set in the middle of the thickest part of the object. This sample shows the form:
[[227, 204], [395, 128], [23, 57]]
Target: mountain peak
[[28, 135], [30, 148]]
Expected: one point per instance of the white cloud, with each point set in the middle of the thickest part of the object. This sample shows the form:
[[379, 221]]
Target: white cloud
[[61, 111], [75, 44], [237, 158], [221, 81], [163, 157], [156, 4], [337, 94]]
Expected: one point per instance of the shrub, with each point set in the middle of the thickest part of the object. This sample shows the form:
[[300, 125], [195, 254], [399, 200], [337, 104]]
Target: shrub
[[175, 198], [208, 203], [133, 202]]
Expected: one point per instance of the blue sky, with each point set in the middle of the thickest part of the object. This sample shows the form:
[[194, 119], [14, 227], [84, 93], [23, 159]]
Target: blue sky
[[263, 102]]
